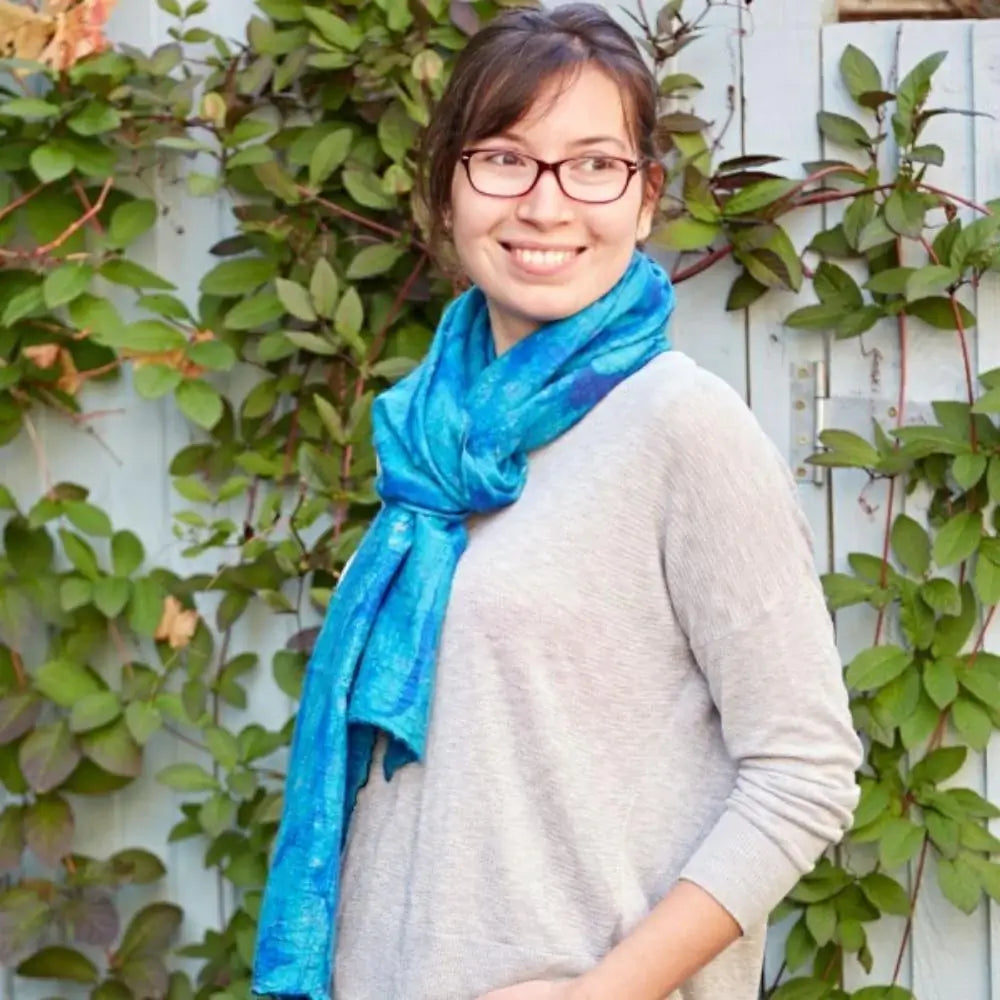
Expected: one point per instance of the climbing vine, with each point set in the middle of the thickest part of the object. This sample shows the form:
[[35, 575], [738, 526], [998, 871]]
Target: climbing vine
[[323, 295]]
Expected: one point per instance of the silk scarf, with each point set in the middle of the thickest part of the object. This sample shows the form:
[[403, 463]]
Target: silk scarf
[[452, 439]]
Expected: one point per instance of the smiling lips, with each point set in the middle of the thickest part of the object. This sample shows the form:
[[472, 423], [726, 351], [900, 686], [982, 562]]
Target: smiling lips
[[542, 260]]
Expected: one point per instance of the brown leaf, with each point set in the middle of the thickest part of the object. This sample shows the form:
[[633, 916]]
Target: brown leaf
[[79, 31], [42, 355], [177, 624]]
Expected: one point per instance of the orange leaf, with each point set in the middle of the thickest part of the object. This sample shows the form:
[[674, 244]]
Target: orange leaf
[[177, 624]]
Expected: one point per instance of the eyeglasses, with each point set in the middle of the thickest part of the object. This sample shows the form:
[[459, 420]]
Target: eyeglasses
[[504, 173]]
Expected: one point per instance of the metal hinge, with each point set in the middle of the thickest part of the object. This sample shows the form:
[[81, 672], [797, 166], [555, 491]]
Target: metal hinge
[[809, 396]]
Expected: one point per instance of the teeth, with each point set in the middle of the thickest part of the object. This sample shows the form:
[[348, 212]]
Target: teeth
[[543, 258]]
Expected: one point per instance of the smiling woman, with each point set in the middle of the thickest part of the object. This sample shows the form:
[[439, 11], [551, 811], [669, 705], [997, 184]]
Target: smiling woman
[[577, 695]]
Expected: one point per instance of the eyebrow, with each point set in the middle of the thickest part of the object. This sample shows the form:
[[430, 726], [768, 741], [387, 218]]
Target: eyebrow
[[588, 141]]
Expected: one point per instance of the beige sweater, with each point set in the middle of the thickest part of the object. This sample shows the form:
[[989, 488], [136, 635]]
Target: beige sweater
[[637, 682]]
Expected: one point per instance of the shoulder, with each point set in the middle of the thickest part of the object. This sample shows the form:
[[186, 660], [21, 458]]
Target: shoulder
[[688, 410]]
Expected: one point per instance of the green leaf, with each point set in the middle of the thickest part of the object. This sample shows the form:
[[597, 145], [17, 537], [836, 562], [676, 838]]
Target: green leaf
[[95, 118], [901, 840], [334, 29], [215, 355], [891, 281], [30, 551], [842, 130], [150, 932], [296, 300], [88, 518], [686, 234], [850, 449], [939, 313], [938, 765], [886, 894], [958, 538], [130, 220], [802, 989], [66, 283], [199, 402], [256, 311], [147, 335], [80, 554], [959, 883], [942, 596], [187, 778], [744, 292], [113, 749], [58, 962], [373, 260], [127, 553], [859, 73], [28, 108], [350, 315], [330, 152], [155, 380], [822, 316], [75, 592], [94, 710], [238, 277], [967, 470], [323, 288], [143, 720], [972, 722], [48, 828], [911, 545], [111, 594], [48, 756], [760, 195], [833, 284], [930, 280], [875, 667], [65, 682], [940, 682], [821, 919], [51, 162], [987, 580], [127, 272], [904, 213]]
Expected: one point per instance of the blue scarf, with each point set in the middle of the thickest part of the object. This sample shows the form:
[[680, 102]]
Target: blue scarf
[[452, 439]]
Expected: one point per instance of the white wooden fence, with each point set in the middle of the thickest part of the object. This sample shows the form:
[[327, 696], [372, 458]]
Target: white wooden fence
[[770, 71]]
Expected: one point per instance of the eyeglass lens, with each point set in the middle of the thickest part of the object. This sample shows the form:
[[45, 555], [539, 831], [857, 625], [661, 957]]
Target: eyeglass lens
[[506, 174]]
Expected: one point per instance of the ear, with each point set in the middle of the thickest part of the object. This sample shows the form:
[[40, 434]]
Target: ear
[[650, 200]]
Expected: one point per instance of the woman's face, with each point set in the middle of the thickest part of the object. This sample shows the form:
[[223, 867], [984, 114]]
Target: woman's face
[[543, 256]]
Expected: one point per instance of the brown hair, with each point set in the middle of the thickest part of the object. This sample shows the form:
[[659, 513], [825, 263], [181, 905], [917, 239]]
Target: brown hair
[[500, 73]]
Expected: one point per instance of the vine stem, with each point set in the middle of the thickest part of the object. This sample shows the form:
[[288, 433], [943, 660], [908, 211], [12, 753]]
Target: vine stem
[[74, 227], [908, 929], [890, 502], [361, 220], [19, 201], [982, 209], [702, 264]]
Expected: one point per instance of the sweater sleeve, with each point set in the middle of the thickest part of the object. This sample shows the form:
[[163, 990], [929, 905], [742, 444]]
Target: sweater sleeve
[[739, 567]]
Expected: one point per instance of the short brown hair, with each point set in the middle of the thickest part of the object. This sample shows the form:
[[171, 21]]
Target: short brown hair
[[499, 74]]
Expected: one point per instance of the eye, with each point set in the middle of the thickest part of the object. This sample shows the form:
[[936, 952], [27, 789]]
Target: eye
[[598, 164], [504, 158]]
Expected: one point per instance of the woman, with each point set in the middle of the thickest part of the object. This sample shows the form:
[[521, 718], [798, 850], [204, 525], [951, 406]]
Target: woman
[[587, 608]]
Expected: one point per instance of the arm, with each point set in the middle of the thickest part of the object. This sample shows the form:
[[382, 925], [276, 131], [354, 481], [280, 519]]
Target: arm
[[682, 933], [739, 568]]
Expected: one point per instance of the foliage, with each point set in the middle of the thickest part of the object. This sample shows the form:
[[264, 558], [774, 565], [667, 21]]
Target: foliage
[[323, 295]]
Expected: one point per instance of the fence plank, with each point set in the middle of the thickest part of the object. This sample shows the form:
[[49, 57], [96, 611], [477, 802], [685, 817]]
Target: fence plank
[[985, 67], [863, 384]]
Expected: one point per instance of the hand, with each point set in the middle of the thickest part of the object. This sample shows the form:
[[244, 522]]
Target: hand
[[538, 989]]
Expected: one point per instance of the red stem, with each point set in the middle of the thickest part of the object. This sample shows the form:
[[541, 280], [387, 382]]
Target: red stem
[[702, 264]]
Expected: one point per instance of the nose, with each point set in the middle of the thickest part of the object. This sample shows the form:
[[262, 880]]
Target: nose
[[545, 204]]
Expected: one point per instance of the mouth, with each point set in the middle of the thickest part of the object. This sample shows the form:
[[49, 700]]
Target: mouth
[[542, 260]]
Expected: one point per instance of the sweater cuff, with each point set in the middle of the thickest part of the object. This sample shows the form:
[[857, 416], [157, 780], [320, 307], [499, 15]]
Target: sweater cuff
[[745, 871]]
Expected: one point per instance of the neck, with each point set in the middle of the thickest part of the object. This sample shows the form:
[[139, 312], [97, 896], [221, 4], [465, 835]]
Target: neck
[[508, 330]]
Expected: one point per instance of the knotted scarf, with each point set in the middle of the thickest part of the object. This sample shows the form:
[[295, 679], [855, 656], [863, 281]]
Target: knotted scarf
[[453, 439]]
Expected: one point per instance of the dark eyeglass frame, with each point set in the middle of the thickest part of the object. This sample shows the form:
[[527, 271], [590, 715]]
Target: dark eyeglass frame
[[544, 166]]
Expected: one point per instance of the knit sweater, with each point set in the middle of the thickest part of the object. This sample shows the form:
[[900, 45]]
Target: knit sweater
[[636, 683]]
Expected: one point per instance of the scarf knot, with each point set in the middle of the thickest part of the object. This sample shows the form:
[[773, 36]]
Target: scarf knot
[[453, 439]]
